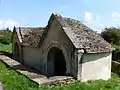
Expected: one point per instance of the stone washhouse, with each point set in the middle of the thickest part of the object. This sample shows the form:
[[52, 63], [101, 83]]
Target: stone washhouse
[[65, 47]]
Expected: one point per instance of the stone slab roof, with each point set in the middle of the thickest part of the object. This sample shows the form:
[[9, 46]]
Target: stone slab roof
[[90, 40], [31, 36], [82, 36], [79, 34]]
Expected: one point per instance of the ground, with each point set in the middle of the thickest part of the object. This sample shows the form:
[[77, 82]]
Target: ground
[[13, 80], [5, 48]]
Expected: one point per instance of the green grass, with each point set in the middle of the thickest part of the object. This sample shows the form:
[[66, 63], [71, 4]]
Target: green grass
[[15, 81], [5, 48]]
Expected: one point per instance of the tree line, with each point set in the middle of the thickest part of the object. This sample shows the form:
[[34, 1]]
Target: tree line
[[5, 36], [112, 36]]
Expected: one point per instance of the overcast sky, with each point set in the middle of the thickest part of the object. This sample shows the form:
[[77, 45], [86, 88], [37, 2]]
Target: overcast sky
[[97, 14]]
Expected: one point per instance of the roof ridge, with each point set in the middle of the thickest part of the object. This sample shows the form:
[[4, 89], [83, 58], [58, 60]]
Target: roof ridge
[[30, 27], [69, 32]]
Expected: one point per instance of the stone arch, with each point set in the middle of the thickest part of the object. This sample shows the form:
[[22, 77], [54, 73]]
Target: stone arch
[[61, 50], [56, 64]]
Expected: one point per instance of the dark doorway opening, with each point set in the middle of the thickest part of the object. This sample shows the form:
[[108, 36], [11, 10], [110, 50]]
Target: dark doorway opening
[[16, 51], [56, 62]]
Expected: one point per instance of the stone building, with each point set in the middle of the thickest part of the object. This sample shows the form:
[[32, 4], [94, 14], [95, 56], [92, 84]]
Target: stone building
[[64, 47]]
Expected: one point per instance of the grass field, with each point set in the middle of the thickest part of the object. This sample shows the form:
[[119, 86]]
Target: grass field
[[15, 81], [5, 48]]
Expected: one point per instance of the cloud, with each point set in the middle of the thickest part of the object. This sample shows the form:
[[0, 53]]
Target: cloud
[[91, 19], [88, 18], [7, 24], [116, 15]]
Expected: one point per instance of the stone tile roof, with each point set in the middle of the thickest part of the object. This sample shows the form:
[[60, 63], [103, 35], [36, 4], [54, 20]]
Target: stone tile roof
[[82, 36], [90, 40], [31, 35]]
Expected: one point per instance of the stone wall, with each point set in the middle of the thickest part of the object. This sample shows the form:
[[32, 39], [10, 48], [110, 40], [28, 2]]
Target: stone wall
[[96, 66], [116, 67], [32, 57], [37, 57], [14, 41]]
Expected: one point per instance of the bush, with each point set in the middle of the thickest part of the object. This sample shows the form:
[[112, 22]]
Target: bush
[[111, 35], [116, 67], [5, 38], [116, 53]]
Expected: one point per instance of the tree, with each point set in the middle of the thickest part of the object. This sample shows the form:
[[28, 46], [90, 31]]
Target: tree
[[111, 35], [5, 36]]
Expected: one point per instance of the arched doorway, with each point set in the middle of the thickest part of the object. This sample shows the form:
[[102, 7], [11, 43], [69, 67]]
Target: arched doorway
[[16, 51], [56, 64]]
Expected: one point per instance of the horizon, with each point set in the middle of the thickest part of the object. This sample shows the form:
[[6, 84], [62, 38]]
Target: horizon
[[95, 14]]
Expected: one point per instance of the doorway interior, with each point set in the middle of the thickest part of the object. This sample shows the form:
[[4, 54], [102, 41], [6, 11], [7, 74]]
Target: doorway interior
[[56, 62]]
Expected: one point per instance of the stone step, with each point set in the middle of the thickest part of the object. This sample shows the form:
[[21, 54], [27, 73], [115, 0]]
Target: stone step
[[54, 80]]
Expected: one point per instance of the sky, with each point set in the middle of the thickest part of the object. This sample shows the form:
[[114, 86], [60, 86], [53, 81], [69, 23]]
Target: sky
[[96, 14]]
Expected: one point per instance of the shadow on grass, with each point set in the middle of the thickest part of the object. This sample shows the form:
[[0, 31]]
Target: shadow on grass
[[9, 54], [11, 68], [20, 66], [118, 73]]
